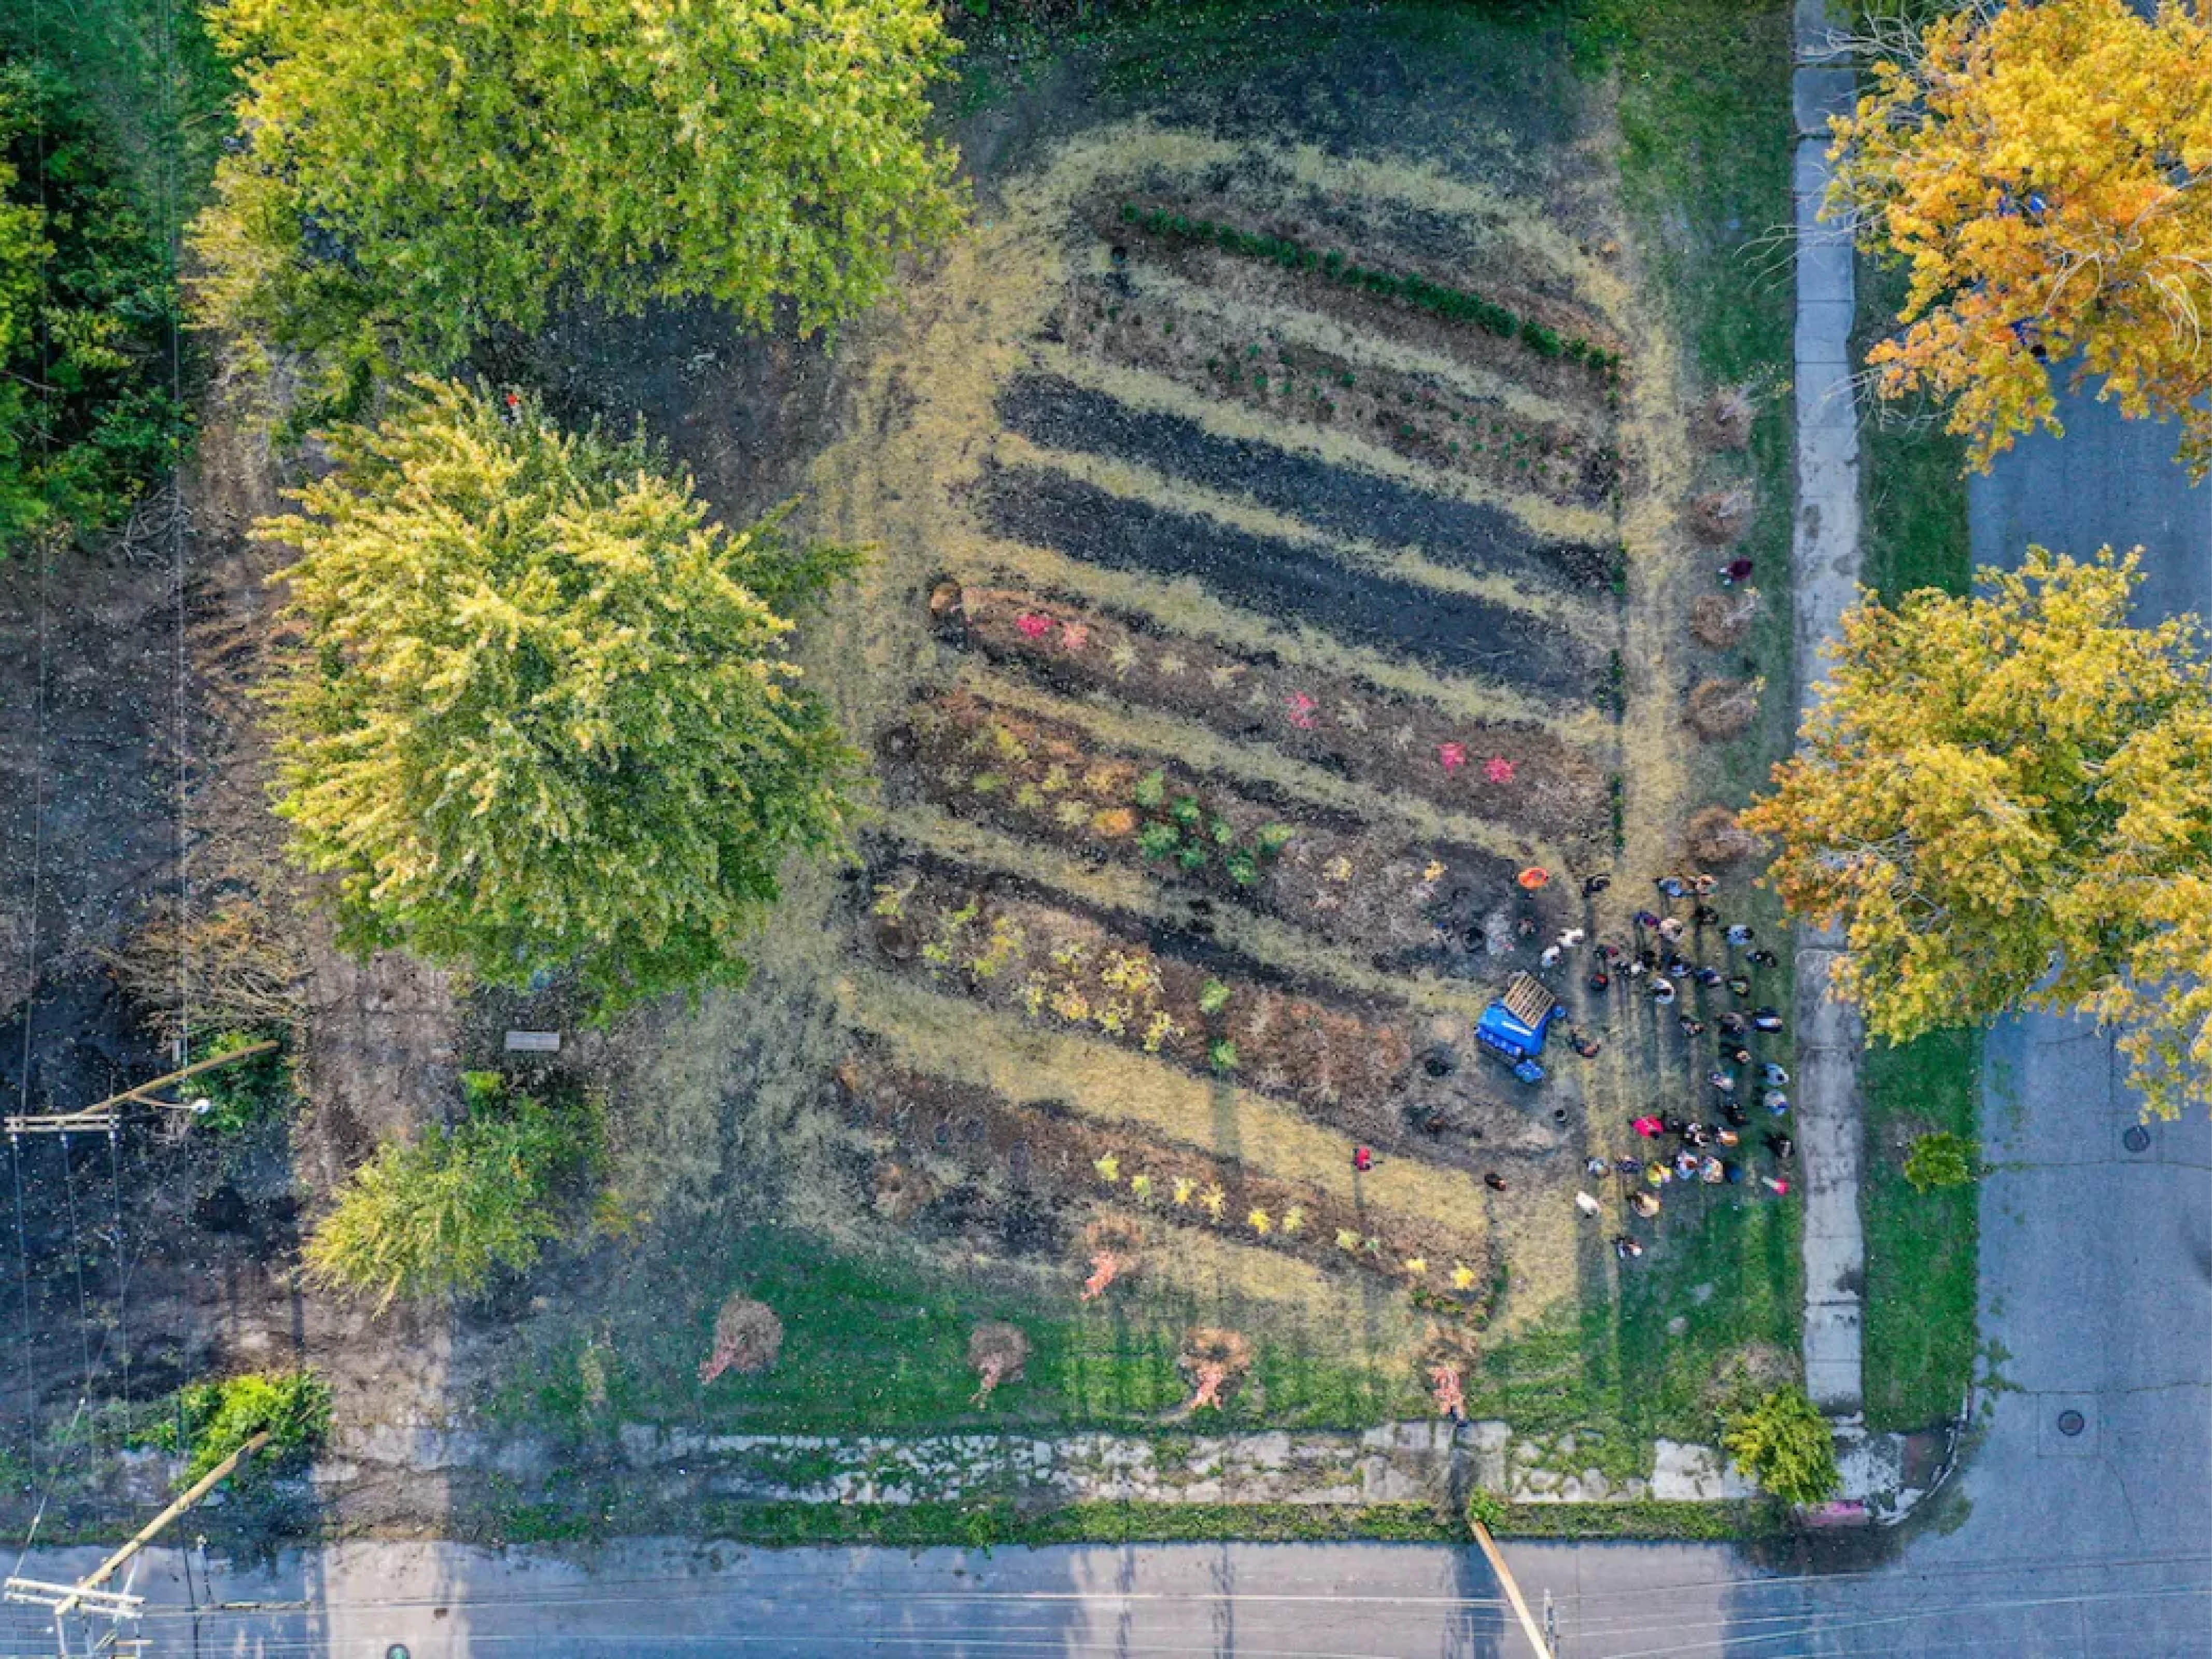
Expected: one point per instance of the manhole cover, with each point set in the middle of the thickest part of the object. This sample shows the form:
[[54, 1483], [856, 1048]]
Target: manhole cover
[[2071, 1423], [2135, 1138]]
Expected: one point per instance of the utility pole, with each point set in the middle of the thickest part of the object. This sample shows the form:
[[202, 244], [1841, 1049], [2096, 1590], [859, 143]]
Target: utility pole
[[105, 1114], [1528, 1624], [86, 1594]]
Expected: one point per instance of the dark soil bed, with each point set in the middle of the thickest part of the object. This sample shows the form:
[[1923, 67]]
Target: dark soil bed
[[1455, 633], [1054, 412], [1415, 416]]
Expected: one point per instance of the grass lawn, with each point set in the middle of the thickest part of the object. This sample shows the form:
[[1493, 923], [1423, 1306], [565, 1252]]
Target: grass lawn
[[1920, 1249], [882, 1342], [1920, 1246], [1910, 469]]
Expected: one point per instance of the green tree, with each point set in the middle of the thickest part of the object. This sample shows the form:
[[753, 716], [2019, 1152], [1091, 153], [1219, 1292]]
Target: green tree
[[1940, 1160], [2009, 785], [439, 1215], [86, 413], [418, 172], [542, 718], [1785, 1444], [213, 1419]]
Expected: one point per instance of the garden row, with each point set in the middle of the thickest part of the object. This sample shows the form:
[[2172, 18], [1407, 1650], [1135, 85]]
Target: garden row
[[1281, 580], [1499, 771], [1454, 304], [1350, 1069], [1038, 1145], [1048, 780], [1412, 414], [1348, 502]]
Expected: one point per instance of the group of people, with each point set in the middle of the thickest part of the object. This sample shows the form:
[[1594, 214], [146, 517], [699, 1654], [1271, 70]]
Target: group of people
[[1715, 1146]]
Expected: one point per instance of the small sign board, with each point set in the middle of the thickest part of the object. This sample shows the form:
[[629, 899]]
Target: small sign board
[[533, 1042]]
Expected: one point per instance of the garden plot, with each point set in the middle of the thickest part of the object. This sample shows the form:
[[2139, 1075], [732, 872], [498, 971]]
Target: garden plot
[[1216, 730], [1232, 719], [1055, 413]]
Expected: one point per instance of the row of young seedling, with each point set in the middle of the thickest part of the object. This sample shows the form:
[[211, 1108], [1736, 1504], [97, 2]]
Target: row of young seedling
[[1457, 304]]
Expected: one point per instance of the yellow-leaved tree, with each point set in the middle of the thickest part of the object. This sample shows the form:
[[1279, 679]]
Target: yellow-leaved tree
[[2005, 800], [542, 716], [2042, 169], [416, 173]]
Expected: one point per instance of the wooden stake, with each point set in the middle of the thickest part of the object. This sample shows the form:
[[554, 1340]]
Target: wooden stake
[[1535, 1632]]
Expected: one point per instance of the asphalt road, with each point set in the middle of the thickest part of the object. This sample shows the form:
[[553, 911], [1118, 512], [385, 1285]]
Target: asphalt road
[[2096, 1294]]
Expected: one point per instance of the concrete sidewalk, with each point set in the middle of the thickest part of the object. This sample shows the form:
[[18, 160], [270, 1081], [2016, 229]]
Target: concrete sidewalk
[[1825, 563]]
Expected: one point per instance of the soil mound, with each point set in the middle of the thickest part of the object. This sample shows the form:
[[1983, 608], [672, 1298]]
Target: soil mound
[[748, 1337], [1722, 620], [1721, 709], [1716, 838], [996, 1353]]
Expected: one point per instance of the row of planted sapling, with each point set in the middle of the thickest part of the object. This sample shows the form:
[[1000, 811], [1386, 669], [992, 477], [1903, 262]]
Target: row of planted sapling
[[1500, 771], [1416, 414], [1408, 903], [1349, 1064], [1055, 967], [926, 1120], [1559, 351]]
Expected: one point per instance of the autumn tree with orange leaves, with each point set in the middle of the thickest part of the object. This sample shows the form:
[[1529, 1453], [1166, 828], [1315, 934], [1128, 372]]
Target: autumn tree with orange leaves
[[2005, 801], [2043, 170]]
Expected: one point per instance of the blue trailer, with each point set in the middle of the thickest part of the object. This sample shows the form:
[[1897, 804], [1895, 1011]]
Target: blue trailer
[[1515, 1025]]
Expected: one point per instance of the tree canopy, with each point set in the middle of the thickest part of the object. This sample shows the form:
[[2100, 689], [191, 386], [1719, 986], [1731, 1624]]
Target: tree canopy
[[427, 170], [86, 413], [2005, 800], [1785, 1444], [2043, 171], [543, 716]]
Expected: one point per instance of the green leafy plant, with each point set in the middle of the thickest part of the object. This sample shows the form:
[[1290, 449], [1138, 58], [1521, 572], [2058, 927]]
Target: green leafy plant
[[415, 174], [88, 304], [1158, 840], [211, 1420], [1785, 1444], [1213, 997], [1150, 790], [1223, 1054], [246, 1092], [1487, 1507], [437, 1217], [1941, 1160], [543, 716], [1457, 304]]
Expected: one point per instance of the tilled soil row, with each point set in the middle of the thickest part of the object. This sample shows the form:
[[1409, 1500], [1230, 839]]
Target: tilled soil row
[[1041, 1146], [1265, 283], [1320, 871], [1498, 771], [1454, 633], [1052, 412], [1410, 415]]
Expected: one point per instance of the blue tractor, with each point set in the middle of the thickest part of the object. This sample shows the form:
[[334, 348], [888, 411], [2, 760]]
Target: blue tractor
[[1514, 1026]]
